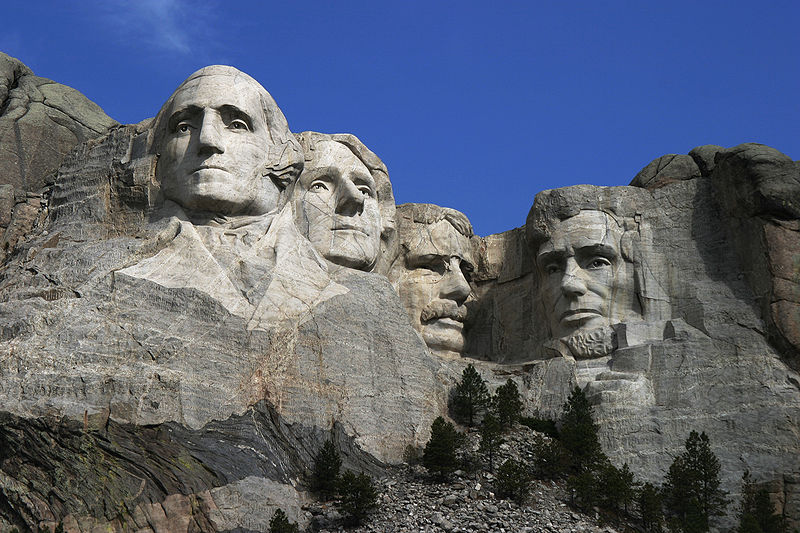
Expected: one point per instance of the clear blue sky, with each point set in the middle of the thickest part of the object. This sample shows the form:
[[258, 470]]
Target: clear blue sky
[[471, 105]]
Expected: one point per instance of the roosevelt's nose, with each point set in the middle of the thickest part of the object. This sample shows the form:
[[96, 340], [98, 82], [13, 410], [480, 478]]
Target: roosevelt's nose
[[349, 199], [209, 138], [454, 286], [572, 284]]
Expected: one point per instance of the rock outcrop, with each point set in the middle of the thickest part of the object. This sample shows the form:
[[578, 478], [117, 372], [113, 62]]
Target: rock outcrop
[[181, 330], [40, 122]]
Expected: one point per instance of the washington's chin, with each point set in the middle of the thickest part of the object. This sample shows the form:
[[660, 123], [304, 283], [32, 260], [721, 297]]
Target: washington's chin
[[349, 248], [444, 334], [213, 190]]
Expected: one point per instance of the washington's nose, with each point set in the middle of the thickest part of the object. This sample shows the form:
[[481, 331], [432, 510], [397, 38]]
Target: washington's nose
[[571, 283], [209, 139], [349, 200], [454, 286]]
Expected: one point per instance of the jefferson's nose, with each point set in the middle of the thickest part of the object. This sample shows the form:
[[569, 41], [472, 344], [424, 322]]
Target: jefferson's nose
[[571, 283], [454, 286], [349, 200], [209, 139]]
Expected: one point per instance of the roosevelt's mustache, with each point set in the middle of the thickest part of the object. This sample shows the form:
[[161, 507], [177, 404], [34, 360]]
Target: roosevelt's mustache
[[444, 309]]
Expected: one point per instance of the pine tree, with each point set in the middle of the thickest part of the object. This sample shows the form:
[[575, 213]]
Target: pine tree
[[550, 459], [757, 514], [491, 432], [616, 487], [512, 481], [691, 490], [471, 396], [579, 433], [439, 457], [280, 523], [650, 504], [326, 470], [357, 497], [507, 403]]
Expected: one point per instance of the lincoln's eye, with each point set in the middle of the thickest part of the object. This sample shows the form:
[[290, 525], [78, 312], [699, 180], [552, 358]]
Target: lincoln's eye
[[238, 124]]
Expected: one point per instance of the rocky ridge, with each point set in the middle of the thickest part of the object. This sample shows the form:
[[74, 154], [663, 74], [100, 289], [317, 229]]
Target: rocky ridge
[[410, 501]]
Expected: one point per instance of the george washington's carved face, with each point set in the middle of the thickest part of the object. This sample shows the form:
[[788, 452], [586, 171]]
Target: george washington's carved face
[[216, 147], [584, 281]]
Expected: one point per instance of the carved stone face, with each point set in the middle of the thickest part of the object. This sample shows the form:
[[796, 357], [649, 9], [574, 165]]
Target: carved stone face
[[585, 283], [433, 283], [216, 146], [336, 207]]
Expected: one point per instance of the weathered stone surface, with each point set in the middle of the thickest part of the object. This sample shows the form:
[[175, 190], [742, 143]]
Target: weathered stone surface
[[705, 156], [759, 191], [40, 122], [665, 170]]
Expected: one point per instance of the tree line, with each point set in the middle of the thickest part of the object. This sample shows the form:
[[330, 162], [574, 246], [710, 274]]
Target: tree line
[[690, 499]]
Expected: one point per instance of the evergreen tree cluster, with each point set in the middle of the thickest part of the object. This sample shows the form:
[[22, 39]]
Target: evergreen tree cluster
[[354, 495]]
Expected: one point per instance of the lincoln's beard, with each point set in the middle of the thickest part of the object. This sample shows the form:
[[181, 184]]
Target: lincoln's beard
[[591, 344]]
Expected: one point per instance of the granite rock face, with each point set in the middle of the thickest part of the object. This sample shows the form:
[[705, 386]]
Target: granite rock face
[[200, 300], [40, 122]]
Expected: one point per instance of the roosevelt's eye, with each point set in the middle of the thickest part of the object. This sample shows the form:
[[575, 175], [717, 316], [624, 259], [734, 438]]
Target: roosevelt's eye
[[552, 268], [598, 262], [238, 124], [318, 186]]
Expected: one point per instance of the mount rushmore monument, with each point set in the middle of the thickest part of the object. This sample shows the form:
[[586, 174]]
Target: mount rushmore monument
[[191, 305]]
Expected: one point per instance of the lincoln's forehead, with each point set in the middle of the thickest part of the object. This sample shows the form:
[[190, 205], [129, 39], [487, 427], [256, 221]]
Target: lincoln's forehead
[[586, 229]]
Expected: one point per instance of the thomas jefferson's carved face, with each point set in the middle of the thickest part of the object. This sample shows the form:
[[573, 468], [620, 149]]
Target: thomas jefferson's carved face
[[336, 207], [216, 148], [433, 283], [585, 283]]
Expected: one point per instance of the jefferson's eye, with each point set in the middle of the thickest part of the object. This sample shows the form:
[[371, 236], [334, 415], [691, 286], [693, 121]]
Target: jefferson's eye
[[434, 263], [599, 262], [238, 124], [366, 190]]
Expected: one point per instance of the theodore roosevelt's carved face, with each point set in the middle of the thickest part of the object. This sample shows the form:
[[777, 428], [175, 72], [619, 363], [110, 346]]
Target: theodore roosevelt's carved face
[[432, 278], [216, 147], [585, 283], [336, 207]]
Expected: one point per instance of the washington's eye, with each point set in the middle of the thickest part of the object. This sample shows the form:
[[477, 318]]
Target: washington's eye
[[599, 262], [238, 124], [183, 127]]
